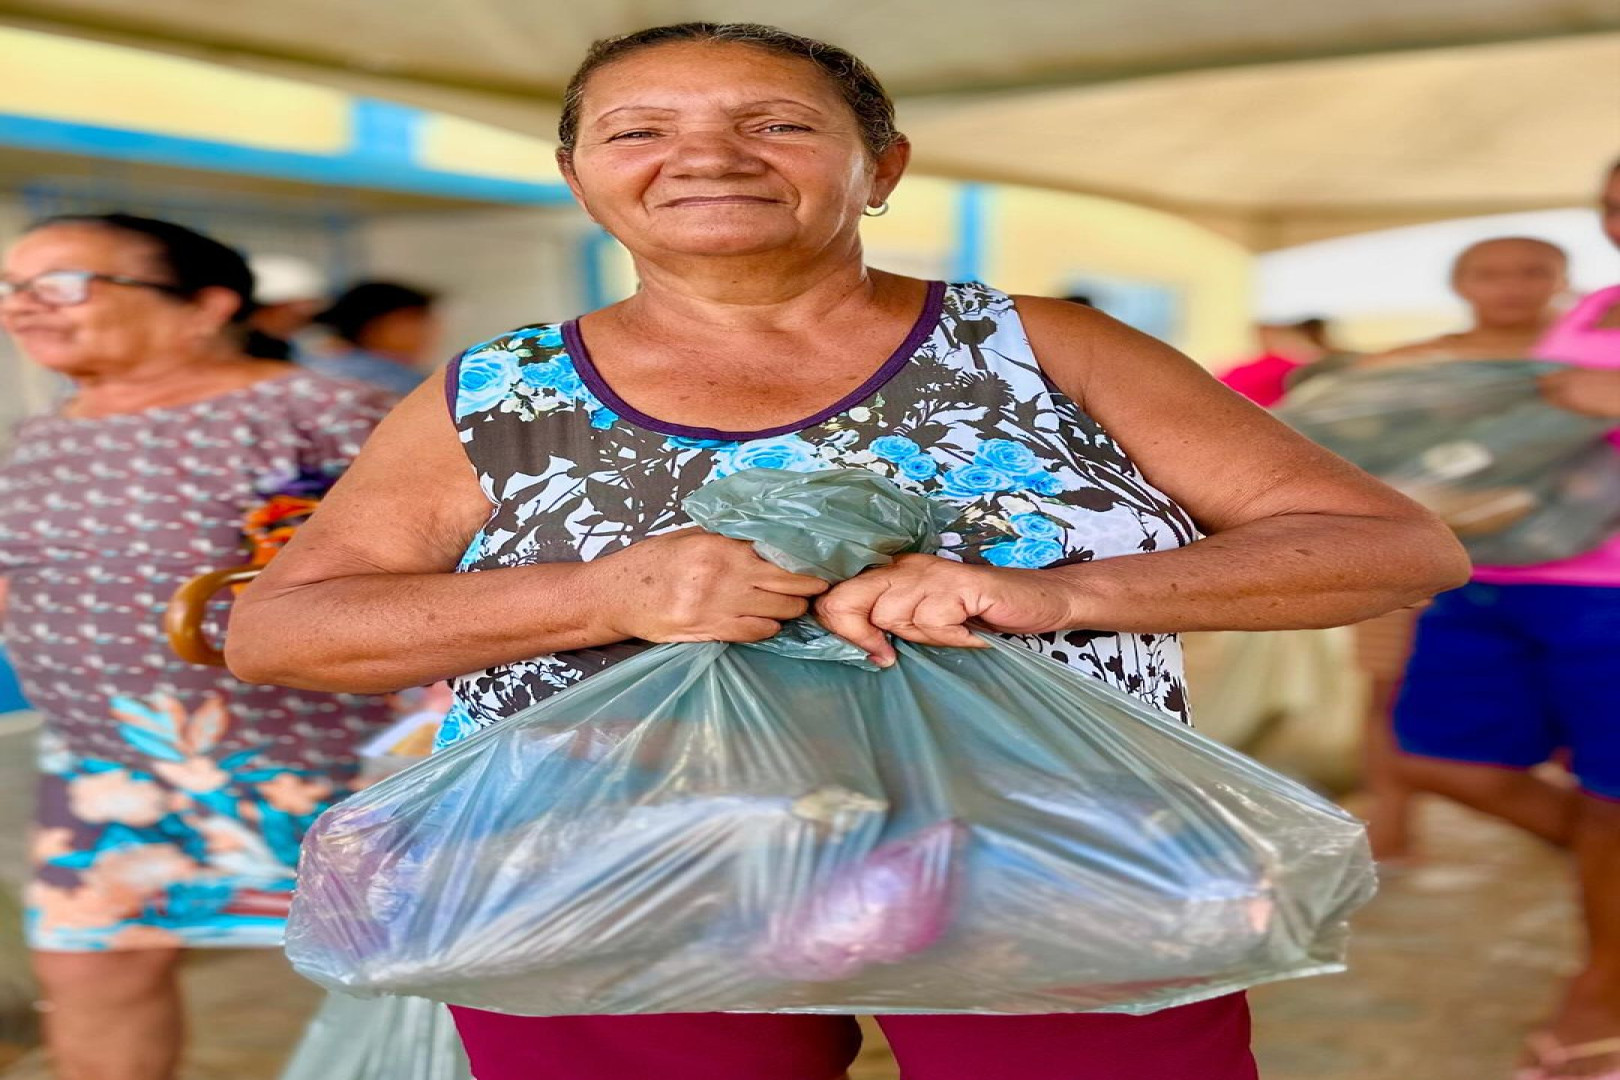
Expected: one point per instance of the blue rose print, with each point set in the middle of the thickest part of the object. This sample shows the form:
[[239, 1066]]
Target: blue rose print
[[556, 374], [973, 481], [788, 452], [603, 417], [483, 379], [919, 467], [1008, 457], [1035, 526], [683, 442], [457, 724], [1024, 553], [895, 448], [547, 337], [1041, 483]]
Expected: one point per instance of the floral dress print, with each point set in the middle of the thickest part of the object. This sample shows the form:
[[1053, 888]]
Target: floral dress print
[[961, 413], [172, 797]]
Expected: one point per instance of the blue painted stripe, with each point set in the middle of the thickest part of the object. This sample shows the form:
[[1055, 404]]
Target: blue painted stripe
[[385, 131], [383, 172], [972, 215]]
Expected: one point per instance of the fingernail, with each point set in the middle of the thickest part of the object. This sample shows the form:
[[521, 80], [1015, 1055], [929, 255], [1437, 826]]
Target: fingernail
[[881, 661]]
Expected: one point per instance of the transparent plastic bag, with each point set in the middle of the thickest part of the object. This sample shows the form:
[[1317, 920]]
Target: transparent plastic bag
[[1518, 479], [391, 1038], [710, 827]]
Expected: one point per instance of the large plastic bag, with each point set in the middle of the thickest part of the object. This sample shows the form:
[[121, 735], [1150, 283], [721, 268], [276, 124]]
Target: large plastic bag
[[387, 1038], [710, 827], [1518, 479], [390, 1038]]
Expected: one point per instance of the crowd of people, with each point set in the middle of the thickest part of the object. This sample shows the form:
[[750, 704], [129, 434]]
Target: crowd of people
[[526, 537]]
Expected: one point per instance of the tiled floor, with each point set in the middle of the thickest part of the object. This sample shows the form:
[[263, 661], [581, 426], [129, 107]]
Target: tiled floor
[[1451, 963]]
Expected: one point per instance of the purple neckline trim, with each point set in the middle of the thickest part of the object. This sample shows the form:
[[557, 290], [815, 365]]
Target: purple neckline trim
[[921, 330]]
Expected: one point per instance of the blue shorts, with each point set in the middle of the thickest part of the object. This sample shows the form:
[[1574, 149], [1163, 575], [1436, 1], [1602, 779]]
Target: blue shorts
[[1507, 675]]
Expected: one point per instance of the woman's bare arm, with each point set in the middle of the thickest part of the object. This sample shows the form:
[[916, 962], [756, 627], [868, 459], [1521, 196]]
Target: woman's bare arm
[[1296, 537], [365, 600]]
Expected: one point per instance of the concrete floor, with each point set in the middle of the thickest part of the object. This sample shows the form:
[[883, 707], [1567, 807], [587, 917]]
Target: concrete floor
[[1451, 963]]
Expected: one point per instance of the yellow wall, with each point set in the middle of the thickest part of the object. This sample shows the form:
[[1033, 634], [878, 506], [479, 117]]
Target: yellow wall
[[88, 82], [466, 146], [1037, 241]]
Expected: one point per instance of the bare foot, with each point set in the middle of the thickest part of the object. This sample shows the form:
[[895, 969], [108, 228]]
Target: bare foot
[[1583, 1041]]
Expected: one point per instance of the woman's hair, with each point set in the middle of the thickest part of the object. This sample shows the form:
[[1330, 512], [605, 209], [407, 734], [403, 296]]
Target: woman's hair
[[361, 304], [856, 83], [191, 261]]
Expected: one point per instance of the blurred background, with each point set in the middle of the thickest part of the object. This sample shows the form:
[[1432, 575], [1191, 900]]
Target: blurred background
[[1194, 169]]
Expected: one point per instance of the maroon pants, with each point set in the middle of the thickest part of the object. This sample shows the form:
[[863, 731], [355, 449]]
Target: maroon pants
[[1207, 1041]]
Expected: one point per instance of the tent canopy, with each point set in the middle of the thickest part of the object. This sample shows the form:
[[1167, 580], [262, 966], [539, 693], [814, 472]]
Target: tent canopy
[[1271, 121]]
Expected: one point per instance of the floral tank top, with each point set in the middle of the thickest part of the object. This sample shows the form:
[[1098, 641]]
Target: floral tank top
[[961, 412]]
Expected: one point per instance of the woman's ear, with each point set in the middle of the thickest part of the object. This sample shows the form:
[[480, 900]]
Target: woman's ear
[[891, 166], [565, 165], [216, 306]]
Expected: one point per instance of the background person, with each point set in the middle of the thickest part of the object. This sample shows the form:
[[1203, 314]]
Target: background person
[[1511, 286], [1517, 666], [171, 797], [734, 163], [384, 333]]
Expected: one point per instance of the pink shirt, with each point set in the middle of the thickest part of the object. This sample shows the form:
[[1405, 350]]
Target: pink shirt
[[1262, 381], [1575, 340]]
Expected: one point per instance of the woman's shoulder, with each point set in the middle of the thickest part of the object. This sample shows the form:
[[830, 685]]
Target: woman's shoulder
[[522, 342]]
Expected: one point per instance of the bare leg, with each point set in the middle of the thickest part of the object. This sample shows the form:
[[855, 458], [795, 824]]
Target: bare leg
[[1518, 797], [112, 1015], [1390, 796], [1591, 1008]]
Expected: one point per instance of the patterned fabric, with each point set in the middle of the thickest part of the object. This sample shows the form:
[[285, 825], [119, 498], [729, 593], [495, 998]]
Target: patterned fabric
[[961, 412], [173, 797]]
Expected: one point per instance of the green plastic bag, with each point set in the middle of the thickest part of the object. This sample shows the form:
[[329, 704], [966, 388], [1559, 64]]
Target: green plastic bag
[[1518, 479], [710, 827], [391, 1038]]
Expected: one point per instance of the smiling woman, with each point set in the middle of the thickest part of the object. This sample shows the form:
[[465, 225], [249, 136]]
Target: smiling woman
[[1084, 462], [171, 796]]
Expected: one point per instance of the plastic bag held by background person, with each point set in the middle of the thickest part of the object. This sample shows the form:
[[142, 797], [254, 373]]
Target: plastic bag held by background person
[[1518, 479], [781, 827]]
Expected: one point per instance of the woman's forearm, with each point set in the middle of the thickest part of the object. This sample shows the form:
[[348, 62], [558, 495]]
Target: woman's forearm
[[376, 633], [1292, 572]]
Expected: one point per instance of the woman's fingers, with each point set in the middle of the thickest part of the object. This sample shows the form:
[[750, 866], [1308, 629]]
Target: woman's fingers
[[783, 581], [926, 618], [847, 611]]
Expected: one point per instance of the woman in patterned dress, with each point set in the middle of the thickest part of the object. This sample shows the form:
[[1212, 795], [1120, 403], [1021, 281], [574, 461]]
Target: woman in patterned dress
[[172, 797], [734, 162]]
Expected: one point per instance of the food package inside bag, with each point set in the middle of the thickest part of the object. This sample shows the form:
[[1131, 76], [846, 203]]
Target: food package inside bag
[[782, 827]]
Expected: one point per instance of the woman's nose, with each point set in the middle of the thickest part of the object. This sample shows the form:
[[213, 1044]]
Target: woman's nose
[[711, 153]]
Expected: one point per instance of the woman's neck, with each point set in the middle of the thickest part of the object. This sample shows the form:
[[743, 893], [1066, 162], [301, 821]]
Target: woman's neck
[[166, 382], [749, 295]]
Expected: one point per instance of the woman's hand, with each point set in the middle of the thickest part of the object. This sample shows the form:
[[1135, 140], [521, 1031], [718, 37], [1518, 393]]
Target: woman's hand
[[693, 585], [1590, 391], [931, 601]]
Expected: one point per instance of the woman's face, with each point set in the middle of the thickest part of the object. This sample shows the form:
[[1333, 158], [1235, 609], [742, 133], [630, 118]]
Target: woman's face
[[723, 149], [117, 326]]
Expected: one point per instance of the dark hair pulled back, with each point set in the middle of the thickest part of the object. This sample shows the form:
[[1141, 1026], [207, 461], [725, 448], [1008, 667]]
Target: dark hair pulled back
[[191, 261]]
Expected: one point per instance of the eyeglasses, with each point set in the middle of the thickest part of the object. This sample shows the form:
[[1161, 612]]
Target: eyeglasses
[[64, 288]]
